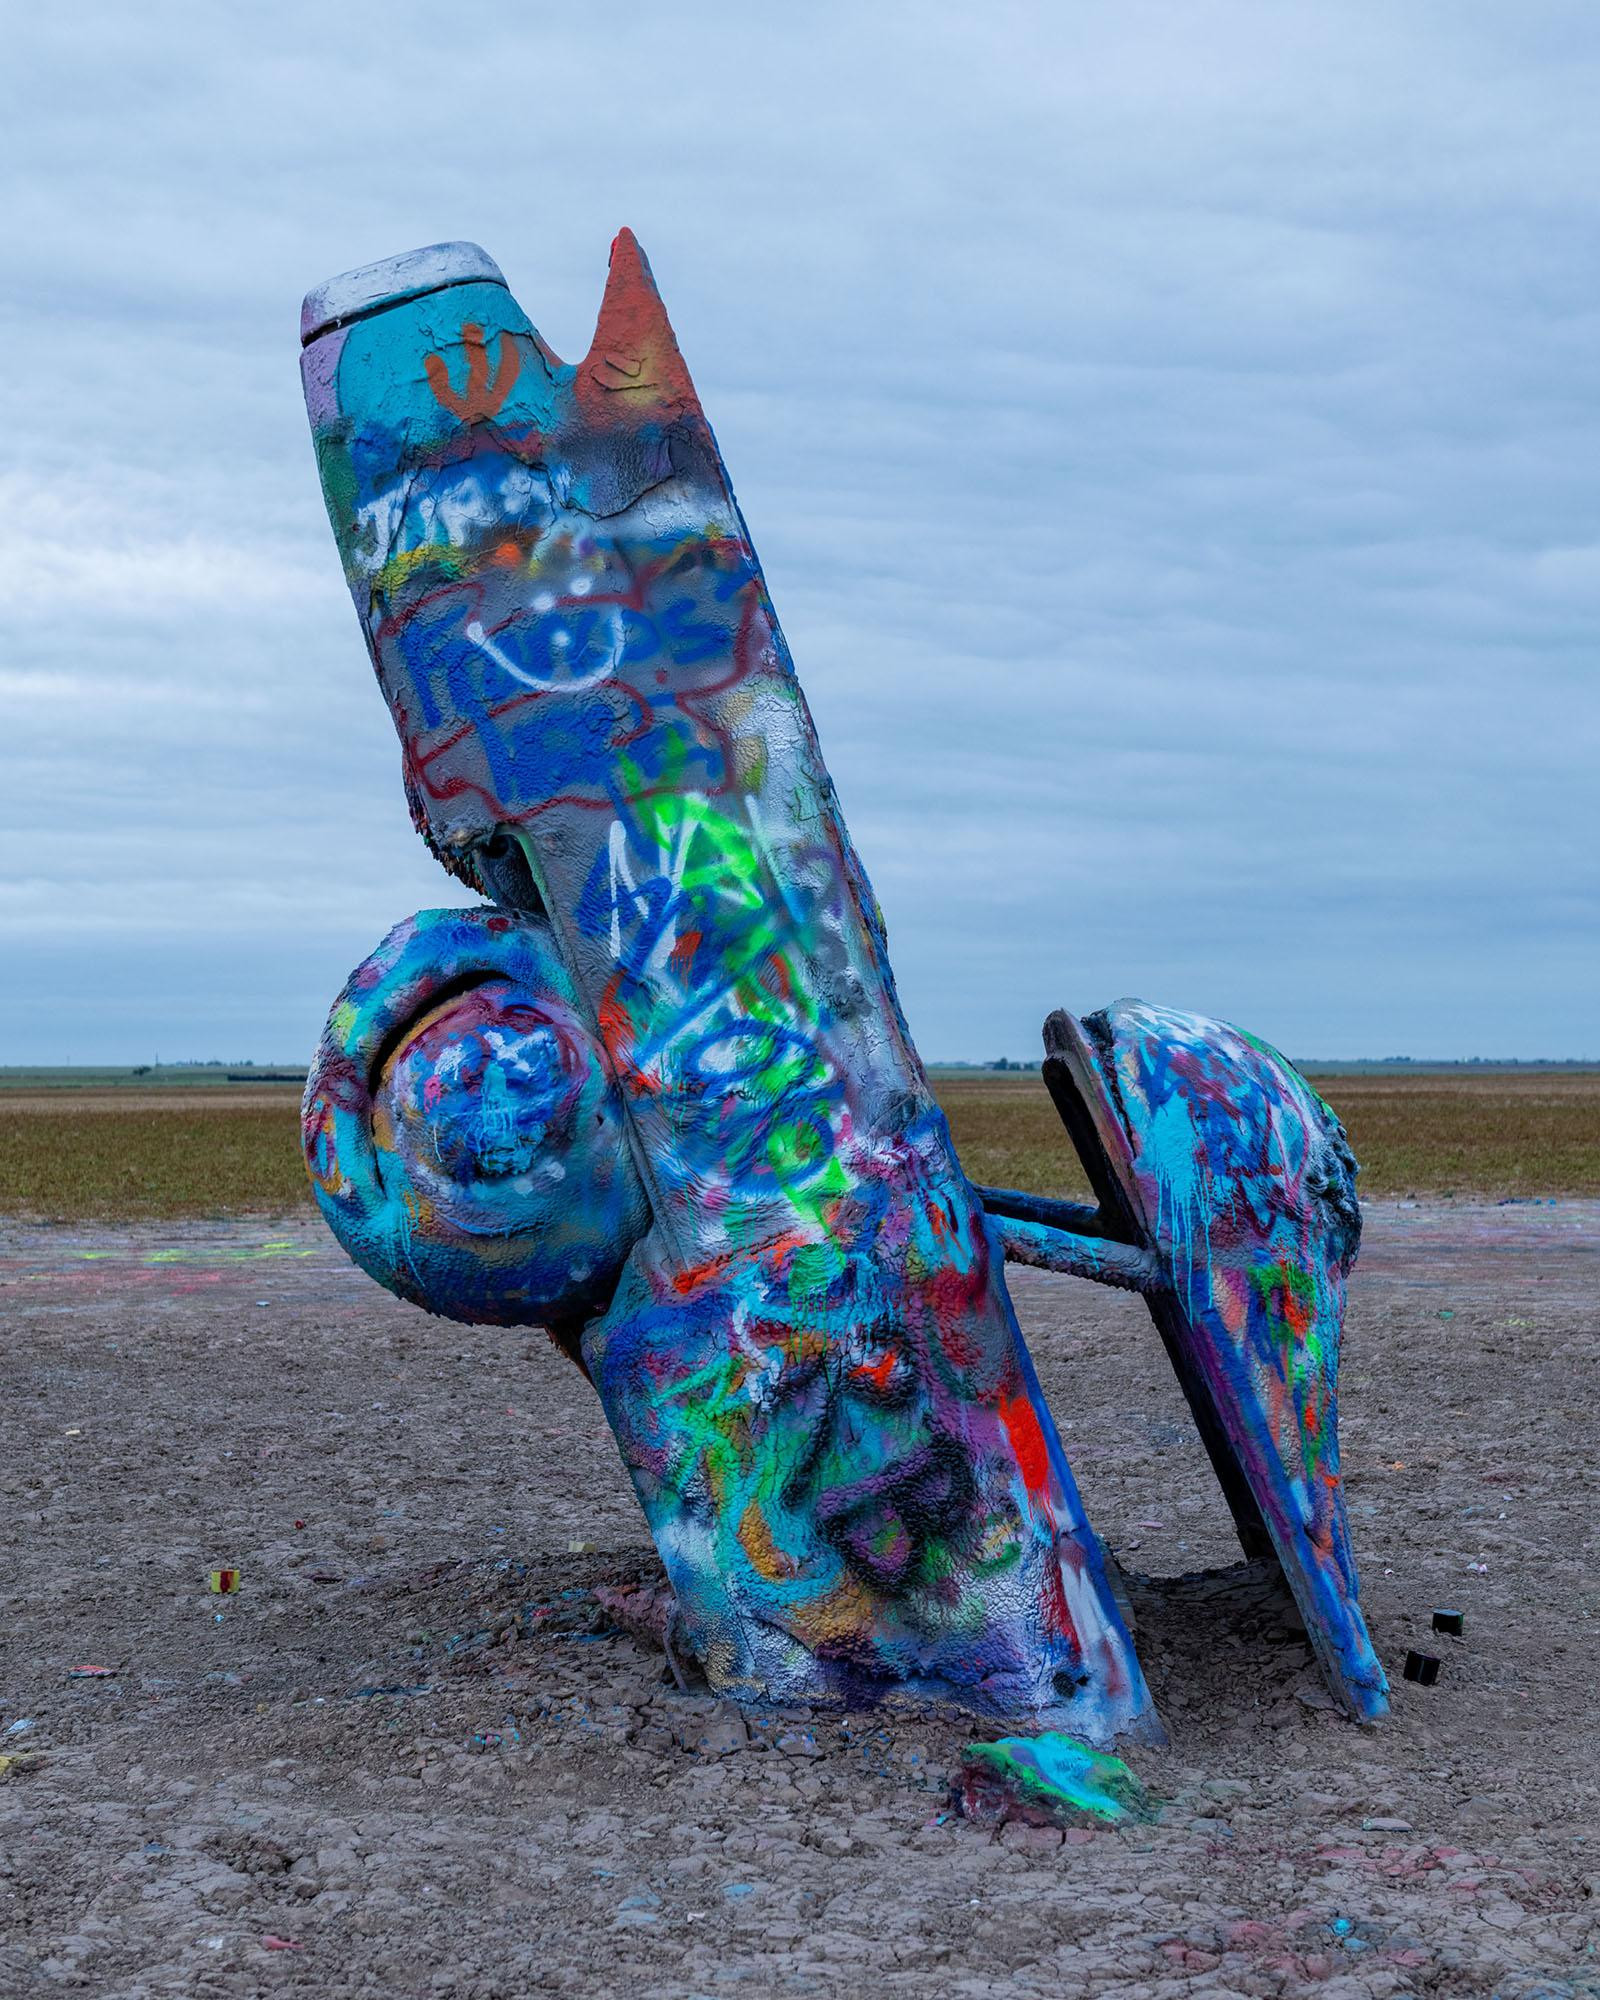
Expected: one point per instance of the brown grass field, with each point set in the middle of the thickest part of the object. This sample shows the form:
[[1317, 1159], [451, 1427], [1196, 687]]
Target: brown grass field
[[1499, 1133], [114, 1153]]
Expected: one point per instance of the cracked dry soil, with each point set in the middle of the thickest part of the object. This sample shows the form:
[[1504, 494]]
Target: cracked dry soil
[[410, 1756]]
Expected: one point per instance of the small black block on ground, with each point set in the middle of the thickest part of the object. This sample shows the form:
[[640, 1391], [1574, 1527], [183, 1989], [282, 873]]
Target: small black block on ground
[[1452, 1622], [1423, 1667]]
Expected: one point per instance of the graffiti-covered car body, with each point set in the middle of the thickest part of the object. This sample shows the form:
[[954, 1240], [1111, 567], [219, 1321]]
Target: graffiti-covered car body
[[659, 1095]]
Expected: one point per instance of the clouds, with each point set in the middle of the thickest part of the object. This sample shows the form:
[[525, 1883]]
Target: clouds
[[1170, 432]]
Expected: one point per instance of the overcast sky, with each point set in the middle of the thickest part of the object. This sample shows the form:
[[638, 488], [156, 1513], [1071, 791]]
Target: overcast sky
[[1171, 433]]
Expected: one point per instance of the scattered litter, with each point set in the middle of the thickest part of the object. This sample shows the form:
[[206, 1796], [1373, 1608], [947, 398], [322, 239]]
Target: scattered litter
[[1048, 1780], [74, 1434], [271, 1943], [1422, 1668], [1447, 1312], [577, 1548], [1452, 1622], [14, 1761], [222, 1582], [21, 1726], [90, 1673], [299, 1524], [1479, 1569]]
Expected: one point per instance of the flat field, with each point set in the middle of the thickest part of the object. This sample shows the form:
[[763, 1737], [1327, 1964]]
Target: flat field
[[1503, 1133], [129, 1149], [412, 1756]]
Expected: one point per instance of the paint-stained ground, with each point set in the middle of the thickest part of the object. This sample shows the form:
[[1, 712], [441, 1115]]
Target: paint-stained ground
[[409, 1756]]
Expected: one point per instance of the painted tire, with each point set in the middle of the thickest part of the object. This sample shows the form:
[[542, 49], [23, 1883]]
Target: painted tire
[[464, 1140]]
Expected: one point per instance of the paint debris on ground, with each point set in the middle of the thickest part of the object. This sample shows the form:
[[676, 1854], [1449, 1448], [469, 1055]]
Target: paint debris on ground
[[1049, 1780]]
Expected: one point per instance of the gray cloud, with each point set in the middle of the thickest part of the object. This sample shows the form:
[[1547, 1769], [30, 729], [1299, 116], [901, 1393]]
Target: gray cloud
[[1170, 431]]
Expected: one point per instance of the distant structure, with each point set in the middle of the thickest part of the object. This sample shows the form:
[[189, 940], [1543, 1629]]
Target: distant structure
[[657, 1094]]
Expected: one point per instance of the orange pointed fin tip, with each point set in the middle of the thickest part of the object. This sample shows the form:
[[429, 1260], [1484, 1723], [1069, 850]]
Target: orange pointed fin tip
[[626, 249], [633, 346]]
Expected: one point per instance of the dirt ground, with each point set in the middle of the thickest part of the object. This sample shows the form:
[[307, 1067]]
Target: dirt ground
[[409, 1756]]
